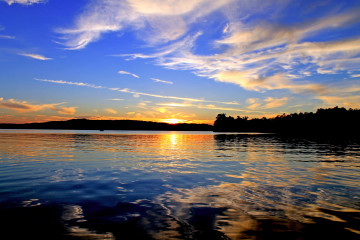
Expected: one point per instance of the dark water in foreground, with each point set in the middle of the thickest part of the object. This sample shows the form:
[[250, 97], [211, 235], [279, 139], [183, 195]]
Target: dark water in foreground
[[168, 185]]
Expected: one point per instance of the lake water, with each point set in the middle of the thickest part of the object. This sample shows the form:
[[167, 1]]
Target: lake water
[[176, 185]]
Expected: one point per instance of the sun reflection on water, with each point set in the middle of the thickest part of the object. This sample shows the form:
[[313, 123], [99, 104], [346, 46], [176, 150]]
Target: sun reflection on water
[[177, 185]]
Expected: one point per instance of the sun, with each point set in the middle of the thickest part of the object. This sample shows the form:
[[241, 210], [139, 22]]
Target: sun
[[173, 121]]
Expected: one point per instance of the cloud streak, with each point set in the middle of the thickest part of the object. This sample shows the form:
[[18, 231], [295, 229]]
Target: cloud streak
[[207, 106], [23, 2], [346, 101], [24, 106], [161, 81], [7, 37], [80, 84], [268, 103], [126, 90], [134, 93], [110, 110], [35, 56], [128, 73], [250, 81], [116, 99]]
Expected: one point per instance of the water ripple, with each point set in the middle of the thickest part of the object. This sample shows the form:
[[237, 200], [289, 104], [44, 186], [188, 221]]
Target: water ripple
[[166, 185]]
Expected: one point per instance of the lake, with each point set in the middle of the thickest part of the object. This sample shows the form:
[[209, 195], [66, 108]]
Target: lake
[[68, 184]]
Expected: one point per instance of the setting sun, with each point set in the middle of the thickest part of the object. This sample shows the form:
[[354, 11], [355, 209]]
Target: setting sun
[[173, 121]]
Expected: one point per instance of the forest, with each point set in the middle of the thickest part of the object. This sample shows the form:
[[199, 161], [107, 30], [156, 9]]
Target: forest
[[328, 121]]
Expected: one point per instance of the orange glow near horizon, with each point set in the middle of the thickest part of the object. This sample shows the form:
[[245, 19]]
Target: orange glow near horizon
[[28, 118], [173, 121]]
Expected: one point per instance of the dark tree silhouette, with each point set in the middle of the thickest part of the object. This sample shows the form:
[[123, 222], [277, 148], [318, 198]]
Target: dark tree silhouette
[[330, 121]]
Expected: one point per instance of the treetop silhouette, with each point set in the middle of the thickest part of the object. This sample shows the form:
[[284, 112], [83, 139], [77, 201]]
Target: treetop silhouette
[[329, 121]]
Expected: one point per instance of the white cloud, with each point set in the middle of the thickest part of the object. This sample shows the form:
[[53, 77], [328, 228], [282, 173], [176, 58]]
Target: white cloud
[[261, 56], [164, 7], [158, 21], [355, 75], [35, 56], [24, 2], [245, 38], [128, 73], [162, 81], [255, 55]]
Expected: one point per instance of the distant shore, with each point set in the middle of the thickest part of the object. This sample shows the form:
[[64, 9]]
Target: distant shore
[[330, 122], [84, 124]]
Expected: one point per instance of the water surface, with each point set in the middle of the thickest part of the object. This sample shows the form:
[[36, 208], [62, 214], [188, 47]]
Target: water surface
[[177, 185]]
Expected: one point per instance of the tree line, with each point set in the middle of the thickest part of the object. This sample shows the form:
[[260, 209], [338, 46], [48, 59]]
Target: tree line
[[328, 121]]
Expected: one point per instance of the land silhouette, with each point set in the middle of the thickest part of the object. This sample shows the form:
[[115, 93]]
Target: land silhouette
[[85, 124], [337, 121]]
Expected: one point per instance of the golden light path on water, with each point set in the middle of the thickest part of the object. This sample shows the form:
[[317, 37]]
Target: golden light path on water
[[171, 185]]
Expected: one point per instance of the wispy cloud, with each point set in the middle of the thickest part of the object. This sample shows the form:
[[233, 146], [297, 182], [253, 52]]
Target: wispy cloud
[[24, 2], [35, 56], [116, 99], [134, 93], [126, 90], [254, 55], [251, 81], [128, 73], [267, 103], [110, 110], [346, 101], [260, 56], [173, 104], [208, 106], [154, 21], [7, 37], [24, 106], [162, 81], [214, 107], [81, 84]]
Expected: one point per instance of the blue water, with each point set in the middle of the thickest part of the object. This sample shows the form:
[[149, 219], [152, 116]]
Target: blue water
[[177, 185]]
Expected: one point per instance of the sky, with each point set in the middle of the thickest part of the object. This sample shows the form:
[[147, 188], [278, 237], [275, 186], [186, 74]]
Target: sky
[[176, 61]]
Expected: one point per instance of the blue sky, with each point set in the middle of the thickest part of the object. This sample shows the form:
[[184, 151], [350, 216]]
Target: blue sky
[[165, 59]]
